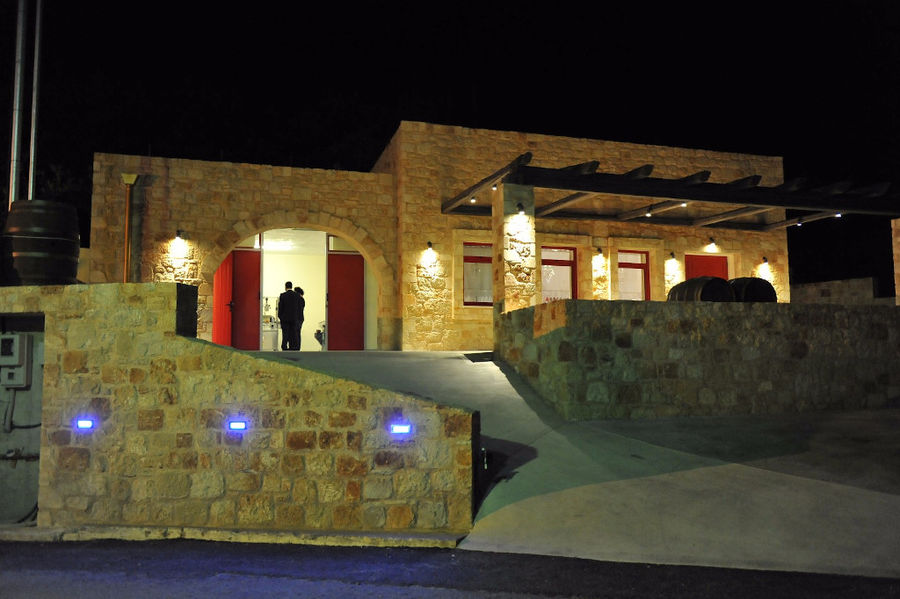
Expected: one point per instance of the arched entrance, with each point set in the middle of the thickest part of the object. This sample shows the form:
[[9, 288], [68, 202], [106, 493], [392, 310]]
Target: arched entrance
[[340, 290]]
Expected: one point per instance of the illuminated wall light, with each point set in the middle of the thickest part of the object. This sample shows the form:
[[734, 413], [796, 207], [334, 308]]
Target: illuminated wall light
[[673, 273], [429, 261], [838, 215], [238, 425], [520, 208], [178, 248], [401, 428], [711, 247], [648, 214], [84, 424], [684, 204], [494, 187], [472, 200], [764, 271]]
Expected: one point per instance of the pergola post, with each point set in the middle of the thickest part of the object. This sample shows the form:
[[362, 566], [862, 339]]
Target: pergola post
[[515, 262]]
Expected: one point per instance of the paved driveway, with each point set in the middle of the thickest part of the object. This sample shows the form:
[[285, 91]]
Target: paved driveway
[[813, 493]]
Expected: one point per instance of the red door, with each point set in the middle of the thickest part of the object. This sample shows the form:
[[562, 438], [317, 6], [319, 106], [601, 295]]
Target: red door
[[346, 301], [245, 315], [222, 285], [705, 266]]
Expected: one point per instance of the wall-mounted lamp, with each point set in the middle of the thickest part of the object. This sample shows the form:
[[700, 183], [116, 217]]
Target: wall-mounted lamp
[[599, 251], [799, 223], [684, 204], [648, 214], [494, 187], [472, 200], [712, 240], [672, 255], [180, 234], [520, 208], [838, 215], [429, 245], [765, 260]]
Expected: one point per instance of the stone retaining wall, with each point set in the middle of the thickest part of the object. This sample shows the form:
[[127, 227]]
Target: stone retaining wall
[[845, 291], [619, 359], [317, 455]]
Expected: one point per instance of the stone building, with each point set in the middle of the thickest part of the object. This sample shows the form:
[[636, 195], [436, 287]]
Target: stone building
[[437, 222]]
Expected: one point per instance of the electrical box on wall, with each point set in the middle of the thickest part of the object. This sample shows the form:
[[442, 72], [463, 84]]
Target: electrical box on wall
[[15, 360]]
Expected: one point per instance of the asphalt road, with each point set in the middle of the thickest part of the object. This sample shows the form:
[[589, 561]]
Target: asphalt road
[[197, 569]]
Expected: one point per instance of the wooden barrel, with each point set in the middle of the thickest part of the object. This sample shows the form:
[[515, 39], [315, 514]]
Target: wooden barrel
[[701, 289], [40, 244], [753, 289]]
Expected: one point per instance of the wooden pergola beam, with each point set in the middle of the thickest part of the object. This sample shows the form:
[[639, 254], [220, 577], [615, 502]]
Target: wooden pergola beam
[[731, 214], [783, 224], [494, 177], [651, 210], [638, 173], [560, 204], [718, 193]]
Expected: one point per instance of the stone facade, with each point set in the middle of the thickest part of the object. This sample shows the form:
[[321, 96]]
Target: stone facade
[[432, 163], [619, 359], [392, 213], [220, 204], [317, 454]]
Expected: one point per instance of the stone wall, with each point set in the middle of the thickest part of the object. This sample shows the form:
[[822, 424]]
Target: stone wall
[[846, 291], [219, 204], [432, 163], [619, 359], [317, 455]]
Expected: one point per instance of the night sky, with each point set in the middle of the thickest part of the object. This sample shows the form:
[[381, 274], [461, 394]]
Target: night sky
[[282, 83]]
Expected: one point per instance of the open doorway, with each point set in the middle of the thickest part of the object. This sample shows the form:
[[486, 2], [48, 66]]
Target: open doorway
[[340, 292]]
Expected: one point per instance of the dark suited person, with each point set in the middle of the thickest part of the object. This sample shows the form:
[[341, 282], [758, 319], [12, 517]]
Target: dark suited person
[[301, 304], [288, 310]]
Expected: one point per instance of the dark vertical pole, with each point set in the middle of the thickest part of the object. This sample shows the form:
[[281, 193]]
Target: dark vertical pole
[[17, 106]]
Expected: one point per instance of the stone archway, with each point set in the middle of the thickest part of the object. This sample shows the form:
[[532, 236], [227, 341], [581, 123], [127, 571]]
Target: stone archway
[[356, 236]]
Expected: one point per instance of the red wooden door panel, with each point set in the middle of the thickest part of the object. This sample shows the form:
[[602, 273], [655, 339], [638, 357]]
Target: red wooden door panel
[[245, 316], [346, 301], [222, 284], [705, 266]]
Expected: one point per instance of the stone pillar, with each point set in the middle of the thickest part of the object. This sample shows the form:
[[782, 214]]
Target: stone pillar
[[515, 263]]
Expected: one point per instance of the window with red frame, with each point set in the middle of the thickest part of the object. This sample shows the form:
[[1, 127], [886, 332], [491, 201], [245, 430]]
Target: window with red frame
[[634, 275], [478, 279], [558, 276]]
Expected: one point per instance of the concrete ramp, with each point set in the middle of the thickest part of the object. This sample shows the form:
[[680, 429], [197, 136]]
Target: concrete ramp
[[812, 493]]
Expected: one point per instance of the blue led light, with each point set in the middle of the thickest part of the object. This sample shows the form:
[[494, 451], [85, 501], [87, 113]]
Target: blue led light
[[401, 428], [84, 424], [237, 425]]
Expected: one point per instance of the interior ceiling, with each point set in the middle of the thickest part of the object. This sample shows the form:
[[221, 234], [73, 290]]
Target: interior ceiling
[[292, 241], [579, 192]]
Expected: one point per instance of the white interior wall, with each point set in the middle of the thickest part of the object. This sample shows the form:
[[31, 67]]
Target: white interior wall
[[304, 266], [299, 256]]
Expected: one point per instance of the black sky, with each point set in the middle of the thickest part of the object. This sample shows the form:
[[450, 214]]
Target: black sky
[[282, 83]]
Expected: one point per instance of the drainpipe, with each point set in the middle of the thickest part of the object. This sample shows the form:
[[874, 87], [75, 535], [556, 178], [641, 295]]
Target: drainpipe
[[129, 180]]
